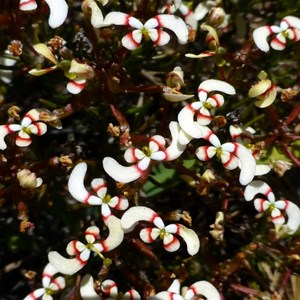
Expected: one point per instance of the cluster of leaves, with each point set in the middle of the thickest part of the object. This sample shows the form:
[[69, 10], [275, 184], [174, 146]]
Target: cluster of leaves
[[123, 104]]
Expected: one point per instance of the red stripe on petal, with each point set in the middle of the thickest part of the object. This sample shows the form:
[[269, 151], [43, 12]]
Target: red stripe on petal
[[231, 157], [95, 235], [56, 282], [103, 185], [278, 42], [154, 217], [86, 200], [132, 40], [268, 192], [24, 3], [24, 141]]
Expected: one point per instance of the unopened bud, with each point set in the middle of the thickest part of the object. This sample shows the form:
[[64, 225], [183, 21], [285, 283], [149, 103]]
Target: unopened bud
[[215, 16], [28, 180]]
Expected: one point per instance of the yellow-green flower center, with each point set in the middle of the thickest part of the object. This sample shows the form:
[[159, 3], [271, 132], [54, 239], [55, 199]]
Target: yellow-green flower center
[[162, 233], [145, 33], [219, 152], [49, 291], [27, 130], [207, 105], [146, 150], [107, 199]]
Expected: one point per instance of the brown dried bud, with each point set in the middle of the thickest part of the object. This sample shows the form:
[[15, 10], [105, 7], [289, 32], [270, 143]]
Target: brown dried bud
[[56, 43], [13, 112], [288, 94], [113, 130], [66, 161]]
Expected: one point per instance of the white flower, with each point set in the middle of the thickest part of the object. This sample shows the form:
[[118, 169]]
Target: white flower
[[231, 155], [289, 28], [50, 283], [208, 102], [166, 233], [30, 124], [99, 185], [151, 30], [142, 158], [82, 251], [275, 207]]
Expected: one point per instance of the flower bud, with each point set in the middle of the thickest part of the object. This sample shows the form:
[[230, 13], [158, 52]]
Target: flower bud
[[28, 180], [215, 16]]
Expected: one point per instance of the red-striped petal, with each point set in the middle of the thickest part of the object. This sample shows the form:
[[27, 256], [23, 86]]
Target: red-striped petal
[[26, 5]]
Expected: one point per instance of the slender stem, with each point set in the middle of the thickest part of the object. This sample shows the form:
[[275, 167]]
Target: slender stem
[[293, 115], [289, 154], [255, 120]]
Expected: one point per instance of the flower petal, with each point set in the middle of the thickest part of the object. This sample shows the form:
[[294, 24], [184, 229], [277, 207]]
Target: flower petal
[[149, 235], [173, 23], [133, 155], [278, 42], [268, 98], [187, 123], [190, 237], [110, 288], [120, 173], [44, 50], [120, 18], [38, 128], [293, 213], [292, 21], [26, 5], [48, 272], [277, 217], [76, 186], [189, 16], [116, 233], [96, 13], [171, 243], [259, 88], [64, 265], [92, 234], [140, 213], [175, 287], [23, 139], [4, 131], [99, 186], [87, 291], [58, 12], [258, 187], [176, 97], [262, 170], [260, 36], [35, 294], [119, 202], [261, 205], [131, 295], [204, 288], [175, 149], [214, 85], [59, 283], [247, 163], [159, 37], [76, 86], [166, 296], [205, 153]]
